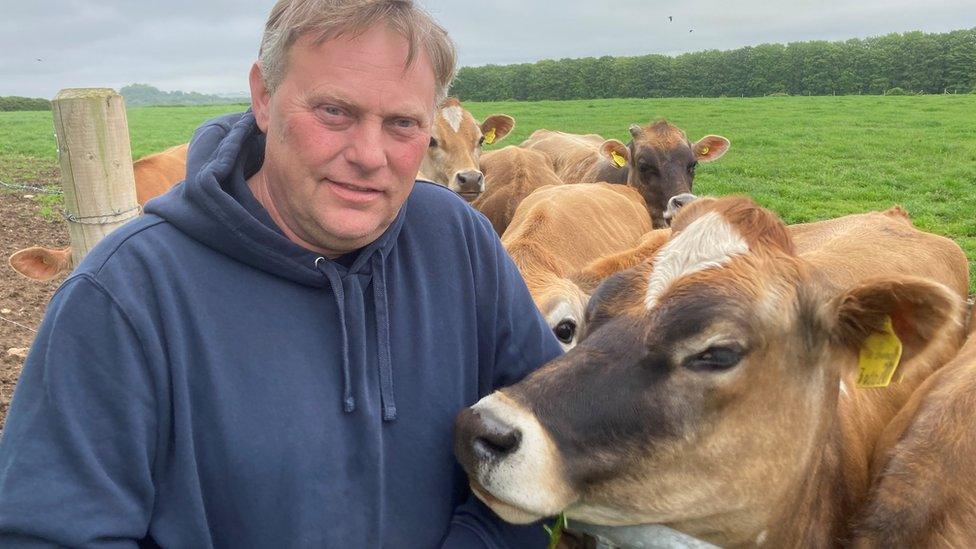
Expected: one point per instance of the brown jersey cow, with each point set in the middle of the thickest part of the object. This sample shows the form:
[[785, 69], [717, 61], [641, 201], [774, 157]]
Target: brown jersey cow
[[511, 174], [558, 229], [154, 175], [714, 391], [925, 495], [455, 147], [659, 161], [579, 158]]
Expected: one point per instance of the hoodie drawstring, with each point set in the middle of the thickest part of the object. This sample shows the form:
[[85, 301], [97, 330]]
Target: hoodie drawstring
[[348, 402], [383, 338], [381, 308]]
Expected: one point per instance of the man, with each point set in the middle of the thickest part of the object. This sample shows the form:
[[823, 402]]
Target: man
[[274, 354]]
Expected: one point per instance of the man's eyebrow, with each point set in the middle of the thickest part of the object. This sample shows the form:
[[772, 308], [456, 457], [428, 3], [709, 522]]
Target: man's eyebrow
[[332, 97], [341, 100]]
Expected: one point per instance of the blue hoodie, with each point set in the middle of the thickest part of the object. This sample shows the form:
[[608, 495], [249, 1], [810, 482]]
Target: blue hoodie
[[200, 380]]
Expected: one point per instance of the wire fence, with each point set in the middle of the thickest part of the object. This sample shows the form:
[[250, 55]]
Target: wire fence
[[18, 187]]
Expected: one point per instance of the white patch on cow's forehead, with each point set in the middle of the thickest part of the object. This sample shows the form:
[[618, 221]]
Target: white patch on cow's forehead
[[453, 114], [707, 242]]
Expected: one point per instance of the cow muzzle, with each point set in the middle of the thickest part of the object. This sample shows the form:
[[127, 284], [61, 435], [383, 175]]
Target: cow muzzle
[[510, 460], [469, 184], [675, 203]]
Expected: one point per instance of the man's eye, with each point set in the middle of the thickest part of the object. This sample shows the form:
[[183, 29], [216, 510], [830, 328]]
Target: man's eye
[[332, 111], [404, 123]]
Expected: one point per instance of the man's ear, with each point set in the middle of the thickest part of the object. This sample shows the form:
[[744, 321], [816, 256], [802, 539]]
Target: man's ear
[[260, 97], [922, 313], [616, 152], [710, 148]]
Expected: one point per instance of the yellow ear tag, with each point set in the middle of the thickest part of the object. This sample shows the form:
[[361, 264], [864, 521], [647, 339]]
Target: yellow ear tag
[[490, 137], [618, 159], [879, 357], [704, 150]]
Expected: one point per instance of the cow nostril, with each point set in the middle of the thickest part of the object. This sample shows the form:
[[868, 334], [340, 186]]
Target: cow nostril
[[497, 444], [480, 438]]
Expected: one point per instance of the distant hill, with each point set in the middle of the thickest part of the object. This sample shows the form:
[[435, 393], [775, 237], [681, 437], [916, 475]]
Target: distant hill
[[140, 95]]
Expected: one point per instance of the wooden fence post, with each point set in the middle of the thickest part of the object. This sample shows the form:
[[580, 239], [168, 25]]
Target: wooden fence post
[[96, 164]]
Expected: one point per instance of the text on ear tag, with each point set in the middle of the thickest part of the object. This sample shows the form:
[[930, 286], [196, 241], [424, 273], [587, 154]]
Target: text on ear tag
[[490, 137]]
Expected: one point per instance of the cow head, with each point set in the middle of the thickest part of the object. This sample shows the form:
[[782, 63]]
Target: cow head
[[662, 162], [701, 390], [455, 145]]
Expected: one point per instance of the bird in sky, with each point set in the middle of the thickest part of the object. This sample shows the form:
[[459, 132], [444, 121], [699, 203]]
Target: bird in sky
[[691, 30], [670, 18]]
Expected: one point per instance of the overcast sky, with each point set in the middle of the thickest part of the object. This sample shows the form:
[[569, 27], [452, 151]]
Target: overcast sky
[[209, 45]]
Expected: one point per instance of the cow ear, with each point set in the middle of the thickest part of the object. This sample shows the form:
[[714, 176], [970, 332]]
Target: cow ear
[[599, 270], [711, 148], [502, 124], [615, 152], [922, 313], [41, 263]]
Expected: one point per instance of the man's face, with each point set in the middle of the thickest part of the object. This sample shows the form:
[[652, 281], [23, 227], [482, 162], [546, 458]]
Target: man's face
[[347, 129]]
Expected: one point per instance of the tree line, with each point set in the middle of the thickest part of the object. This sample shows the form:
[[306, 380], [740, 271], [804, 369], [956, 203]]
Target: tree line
[[15, 103], [915, 62], [139, 95]]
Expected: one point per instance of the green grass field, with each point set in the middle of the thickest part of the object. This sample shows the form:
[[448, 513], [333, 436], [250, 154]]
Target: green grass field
[[807, 158]]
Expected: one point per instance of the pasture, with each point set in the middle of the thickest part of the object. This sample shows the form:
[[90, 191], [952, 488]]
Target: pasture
[[807, 158]]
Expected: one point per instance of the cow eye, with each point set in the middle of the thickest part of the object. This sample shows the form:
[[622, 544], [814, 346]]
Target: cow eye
[[565, 331], [433, 142], [691, 167], [715, 359], [647, 168], [481, 141]]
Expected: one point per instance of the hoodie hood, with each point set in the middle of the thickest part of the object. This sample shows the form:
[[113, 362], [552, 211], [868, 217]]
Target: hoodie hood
[[232, 147]]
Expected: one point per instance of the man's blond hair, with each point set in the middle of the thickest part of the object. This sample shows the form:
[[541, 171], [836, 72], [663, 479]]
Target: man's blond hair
[[328, 19]]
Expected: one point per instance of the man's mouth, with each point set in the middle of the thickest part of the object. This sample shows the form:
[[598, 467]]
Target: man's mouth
[[356, 188]]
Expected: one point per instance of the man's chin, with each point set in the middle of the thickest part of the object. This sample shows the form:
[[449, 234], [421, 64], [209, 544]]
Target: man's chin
[[507, 511]]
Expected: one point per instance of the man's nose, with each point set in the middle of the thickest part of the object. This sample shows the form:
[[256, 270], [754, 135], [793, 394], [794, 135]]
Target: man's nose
[[367, 150]]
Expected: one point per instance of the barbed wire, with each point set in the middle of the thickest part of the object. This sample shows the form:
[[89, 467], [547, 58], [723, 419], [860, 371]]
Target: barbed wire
[[103, 219], [45, 190], [19, 324]]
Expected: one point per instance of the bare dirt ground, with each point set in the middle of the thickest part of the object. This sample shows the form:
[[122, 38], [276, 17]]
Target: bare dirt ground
[[22, 301]]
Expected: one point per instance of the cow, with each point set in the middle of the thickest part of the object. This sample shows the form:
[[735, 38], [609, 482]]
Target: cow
[[154, 175], [455, 145], [715, 389], [579, 158], [511, 173], [560, 228], [925, 494], [659, 161]]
